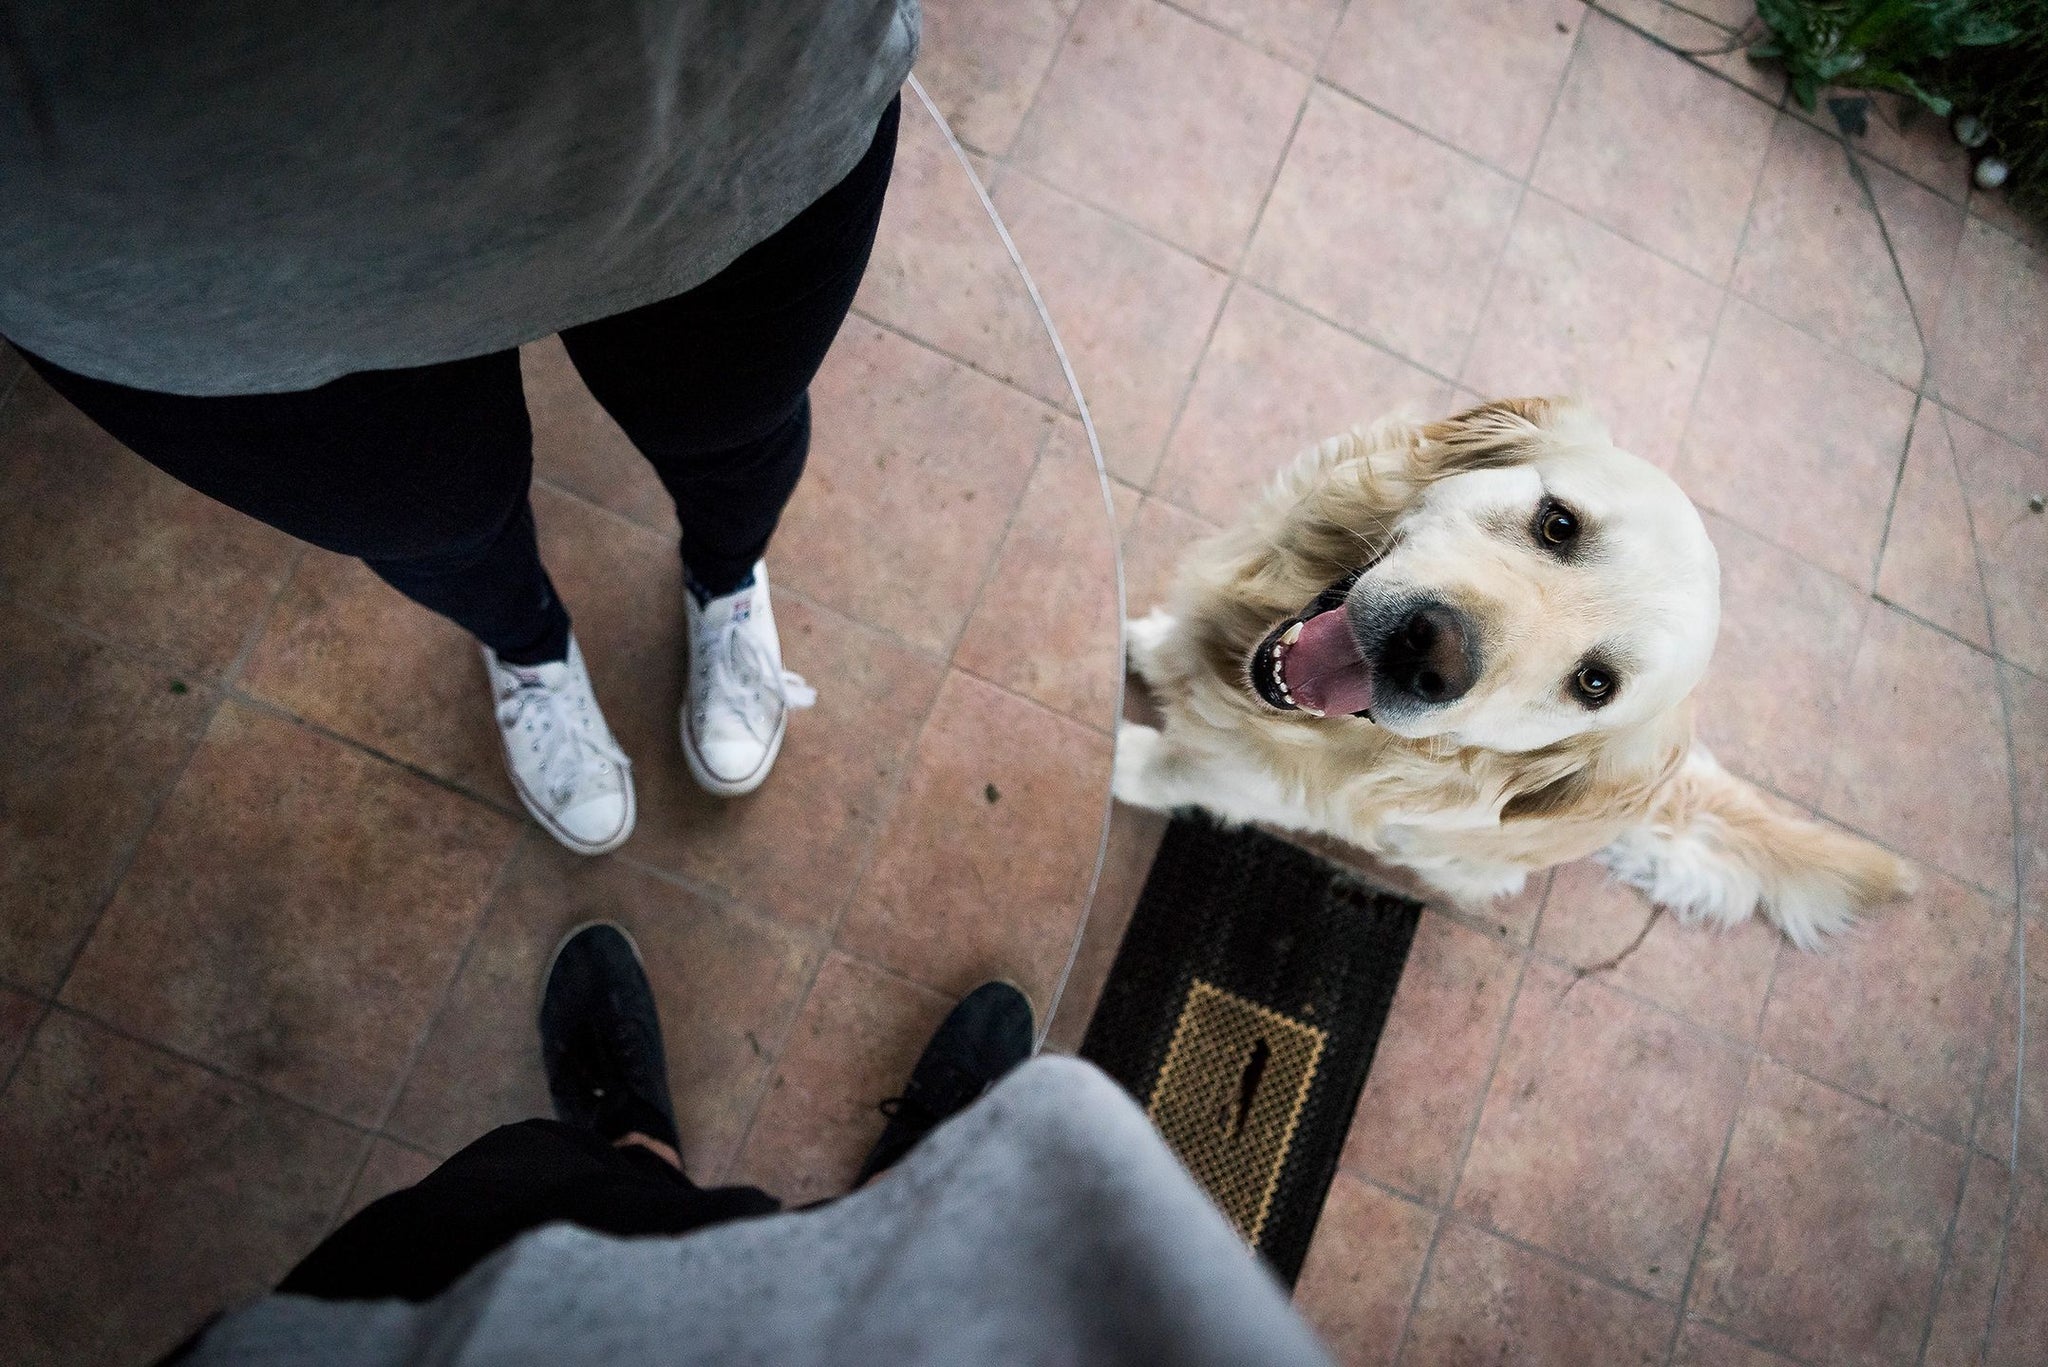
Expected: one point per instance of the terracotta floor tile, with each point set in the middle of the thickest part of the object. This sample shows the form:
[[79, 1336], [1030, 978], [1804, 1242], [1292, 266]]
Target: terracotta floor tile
[[1700, 1346], [1159, 535], [1708, 43], [1796, 442], [982, 63], [1139, 86], [1509, 60], [1771, 703], [346, 651], [1659, 151], [1434, 1057], [1046, 624], [727, 986], [1134, 837], [2027, 703], [1295, 31], [1601, 1130], [1996, 208], [1133, 313], [1709, 975], [939, 271], [19, 1013], [1387, 232], [1816, 256], [1361, 1271], [1902, 135], [852, 1045], [839, 760], [1965, 1309], [1903, 1011], [1999, 480], [983, 870], [1930, 557], [294, 913], [1994, 1117], [93, 738], [1992, 346], [92, 533], [905, 439], [1577, 310], [1488, 1301], [1274, 381], [1931, 782], [391, 1167], [578, 447], [1827, 1228], [143, 1194]]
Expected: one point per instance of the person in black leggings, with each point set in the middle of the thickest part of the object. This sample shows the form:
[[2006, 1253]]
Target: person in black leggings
[[423, 473]]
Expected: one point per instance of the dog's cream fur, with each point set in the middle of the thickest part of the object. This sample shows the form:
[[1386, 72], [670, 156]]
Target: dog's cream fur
[[1515, 776]]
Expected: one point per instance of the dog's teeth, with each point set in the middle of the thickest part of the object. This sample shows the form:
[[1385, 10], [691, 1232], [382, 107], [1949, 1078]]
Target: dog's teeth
[[1312, 711], [1291, 635]]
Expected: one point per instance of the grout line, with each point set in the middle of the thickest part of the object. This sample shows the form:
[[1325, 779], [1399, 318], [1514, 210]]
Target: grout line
[[1006, 162], [967, 363], [1236, 272], [1979, 1094], [1891, 507], [277, 712], [1500, 1040], [1002, 542], [215, 1070], [1439, 140], [1246, 40], [1486, 297], [28, 1043], [1692, 1267], [486, 907], [1666, 45]]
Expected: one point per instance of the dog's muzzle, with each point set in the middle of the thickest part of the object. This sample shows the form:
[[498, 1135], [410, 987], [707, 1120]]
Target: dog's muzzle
[[1313, 663]]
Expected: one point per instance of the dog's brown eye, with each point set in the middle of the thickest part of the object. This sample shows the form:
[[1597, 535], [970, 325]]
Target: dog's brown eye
[[1595, 684], [1556, 525]]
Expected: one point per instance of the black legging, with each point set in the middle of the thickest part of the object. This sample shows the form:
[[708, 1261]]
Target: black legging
[[414, 1243], [424, 472]]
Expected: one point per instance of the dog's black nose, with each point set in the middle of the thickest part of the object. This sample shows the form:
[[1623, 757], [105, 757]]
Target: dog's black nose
[[1429, 655]]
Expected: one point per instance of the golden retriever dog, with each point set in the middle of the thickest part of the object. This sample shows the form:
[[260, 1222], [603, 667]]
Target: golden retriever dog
[[1469, 648]]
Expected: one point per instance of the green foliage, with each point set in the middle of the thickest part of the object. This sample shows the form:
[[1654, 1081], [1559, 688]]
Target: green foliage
[[2007, 87], [1874, 44]]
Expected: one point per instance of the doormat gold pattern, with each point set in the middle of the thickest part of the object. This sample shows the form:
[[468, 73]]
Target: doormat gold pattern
[[1230, 1095], [1242, 1012]]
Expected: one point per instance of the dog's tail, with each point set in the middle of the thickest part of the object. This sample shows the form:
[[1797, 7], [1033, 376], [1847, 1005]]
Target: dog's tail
[[1715, 848]]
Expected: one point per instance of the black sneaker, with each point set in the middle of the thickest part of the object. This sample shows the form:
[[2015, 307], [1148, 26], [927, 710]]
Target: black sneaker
[[600, 1038], [984, 1037]]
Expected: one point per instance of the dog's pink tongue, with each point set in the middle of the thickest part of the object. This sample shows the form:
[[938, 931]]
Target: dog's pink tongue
[[1326, 671]]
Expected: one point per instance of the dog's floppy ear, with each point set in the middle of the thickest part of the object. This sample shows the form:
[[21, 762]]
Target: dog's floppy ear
[[1502, 433]]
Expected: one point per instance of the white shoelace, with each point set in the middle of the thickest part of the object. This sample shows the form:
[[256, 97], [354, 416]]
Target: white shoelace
[[560, 734], [740, 675]]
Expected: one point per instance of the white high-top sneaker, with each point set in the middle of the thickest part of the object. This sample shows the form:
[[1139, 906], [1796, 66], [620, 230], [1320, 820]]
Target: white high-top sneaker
[[740, 695], [565, 766]]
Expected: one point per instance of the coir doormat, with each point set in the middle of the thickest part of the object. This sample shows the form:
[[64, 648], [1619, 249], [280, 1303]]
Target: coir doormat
[[1242, 1012]]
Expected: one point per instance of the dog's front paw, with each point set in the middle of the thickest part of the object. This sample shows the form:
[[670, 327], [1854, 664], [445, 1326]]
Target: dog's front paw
[[1136, 777], [1144, 638]]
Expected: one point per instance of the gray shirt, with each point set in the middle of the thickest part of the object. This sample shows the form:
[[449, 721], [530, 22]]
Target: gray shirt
[[247, 196], [1046, 1224]]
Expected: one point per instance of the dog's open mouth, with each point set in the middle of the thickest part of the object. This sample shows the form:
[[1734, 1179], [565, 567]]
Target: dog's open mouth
[[1313, 663]]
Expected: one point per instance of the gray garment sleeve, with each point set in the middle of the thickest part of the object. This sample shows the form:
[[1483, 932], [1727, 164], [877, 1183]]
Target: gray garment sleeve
[[1046, 1224]]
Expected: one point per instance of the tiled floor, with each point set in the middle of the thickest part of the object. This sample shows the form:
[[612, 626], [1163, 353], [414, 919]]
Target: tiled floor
[[1259, 222], [272, 922]]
